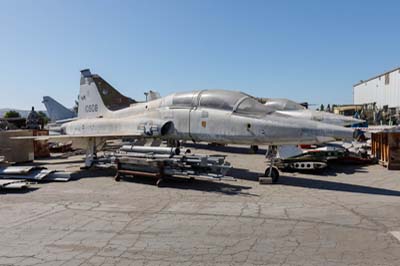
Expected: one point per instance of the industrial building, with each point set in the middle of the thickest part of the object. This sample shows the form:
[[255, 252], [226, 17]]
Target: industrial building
[[383, 89]]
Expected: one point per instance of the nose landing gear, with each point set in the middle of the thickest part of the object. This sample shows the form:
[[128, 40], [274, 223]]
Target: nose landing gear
[[272, 171]]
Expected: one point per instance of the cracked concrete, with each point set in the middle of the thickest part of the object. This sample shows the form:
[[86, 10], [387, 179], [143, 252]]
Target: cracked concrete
[[344, 217]]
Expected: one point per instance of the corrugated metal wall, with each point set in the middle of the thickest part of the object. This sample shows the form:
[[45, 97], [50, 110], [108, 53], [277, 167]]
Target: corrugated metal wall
[[379, 91]]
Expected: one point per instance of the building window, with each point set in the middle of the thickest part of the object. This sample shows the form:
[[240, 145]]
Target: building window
[[387, 79]]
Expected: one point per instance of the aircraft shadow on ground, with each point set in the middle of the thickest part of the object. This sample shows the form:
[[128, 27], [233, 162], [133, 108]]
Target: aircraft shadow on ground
[[244, 174], [17, 191], [334, 170], [215, 186], [335, 186], [294, 181], [230, 149], [212, 186], [171, 182], [93, 173]]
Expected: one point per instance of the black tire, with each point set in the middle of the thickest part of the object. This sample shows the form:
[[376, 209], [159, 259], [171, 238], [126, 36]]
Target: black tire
[[254, 149], [274, 174], [118, 177]]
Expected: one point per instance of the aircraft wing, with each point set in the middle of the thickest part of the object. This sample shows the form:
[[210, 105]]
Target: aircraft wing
[[72, 137]]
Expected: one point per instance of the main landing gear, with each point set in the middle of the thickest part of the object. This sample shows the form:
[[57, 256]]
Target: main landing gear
[[91, 153], [92, 146]]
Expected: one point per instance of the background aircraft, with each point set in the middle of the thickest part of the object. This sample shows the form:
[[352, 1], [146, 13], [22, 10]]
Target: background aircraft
[[56, 110]]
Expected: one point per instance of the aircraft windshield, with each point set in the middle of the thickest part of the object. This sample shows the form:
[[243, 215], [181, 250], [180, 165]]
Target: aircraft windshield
[[283, 104], [251, 106], [220, 99], [290, 105]]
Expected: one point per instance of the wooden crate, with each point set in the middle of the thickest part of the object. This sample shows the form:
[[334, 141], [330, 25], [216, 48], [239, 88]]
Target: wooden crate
[[17, 151], [41, 147], [385, 147]]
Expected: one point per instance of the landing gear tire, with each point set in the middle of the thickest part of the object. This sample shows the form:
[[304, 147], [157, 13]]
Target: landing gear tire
[[254, 149], [117, 177], [273, 173]]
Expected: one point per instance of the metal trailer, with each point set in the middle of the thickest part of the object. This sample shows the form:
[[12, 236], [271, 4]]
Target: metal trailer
[[161, 165]]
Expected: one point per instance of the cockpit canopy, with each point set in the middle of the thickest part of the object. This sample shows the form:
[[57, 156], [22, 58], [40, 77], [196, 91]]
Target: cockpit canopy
[[234, 101], [283, 104]]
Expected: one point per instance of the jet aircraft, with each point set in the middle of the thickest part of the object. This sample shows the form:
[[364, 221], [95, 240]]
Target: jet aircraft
[[221, 116]]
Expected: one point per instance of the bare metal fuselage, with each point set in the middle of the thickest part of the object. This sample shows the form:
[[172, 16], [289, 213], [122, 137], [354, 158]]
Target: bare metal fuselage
[[161, 118]]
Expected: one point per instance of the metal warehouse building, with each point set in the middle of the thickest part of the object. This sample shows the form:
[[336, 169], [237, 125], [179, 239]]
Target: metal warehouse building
[[383, 89]]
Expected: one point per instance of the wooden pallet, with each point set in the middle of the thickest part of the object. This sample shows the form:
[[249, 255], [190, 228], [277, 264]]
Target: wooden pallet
[[386, 148]]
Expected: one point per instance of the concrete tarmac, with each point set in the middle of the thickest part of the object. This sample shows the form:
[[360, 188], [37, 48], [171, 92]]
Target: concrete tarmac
[[347, 216]]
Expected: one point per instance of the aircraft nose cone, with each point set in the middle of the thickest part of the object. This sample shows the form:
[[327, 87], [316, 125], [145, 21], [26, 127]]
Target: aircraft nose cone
[[333, 119], [337, 132], [353, 121], [323, 132], [306, 131]]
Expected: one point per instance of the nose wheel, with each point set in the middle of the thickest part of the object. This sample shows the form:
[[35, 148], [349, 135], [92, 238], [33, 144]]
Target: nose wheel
[[273, 173], [253, 149]]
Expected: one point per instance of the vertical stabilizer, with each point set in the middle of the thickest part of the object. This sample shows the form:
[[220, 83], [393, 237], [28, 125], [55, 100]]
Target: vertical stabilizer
[[91, 104], [57, 111], [112, 98]]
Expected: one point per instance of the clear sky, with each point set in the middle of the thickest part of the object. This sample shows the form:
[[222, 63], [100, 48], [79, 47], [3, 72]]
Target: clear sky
[[303, 50]]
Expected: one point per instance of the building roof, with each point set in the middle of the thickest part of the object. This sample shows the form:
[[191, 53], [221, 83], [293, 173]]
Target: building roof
[[377, 76]]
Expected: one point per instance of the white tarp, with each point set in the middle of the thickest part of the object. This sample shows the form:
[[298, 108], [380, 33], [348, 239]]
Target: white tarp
[[16, 170], [33, 173], [13, 184]]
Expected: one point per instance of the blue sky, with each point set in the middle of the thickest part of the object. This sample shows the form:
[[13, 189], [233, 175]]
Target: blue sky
[[303, 50]]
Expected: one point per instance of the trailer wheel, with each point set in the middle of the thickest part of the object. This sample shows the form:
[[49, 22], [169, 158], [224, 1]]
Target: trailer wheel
[[117, 177], [274, 174]]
